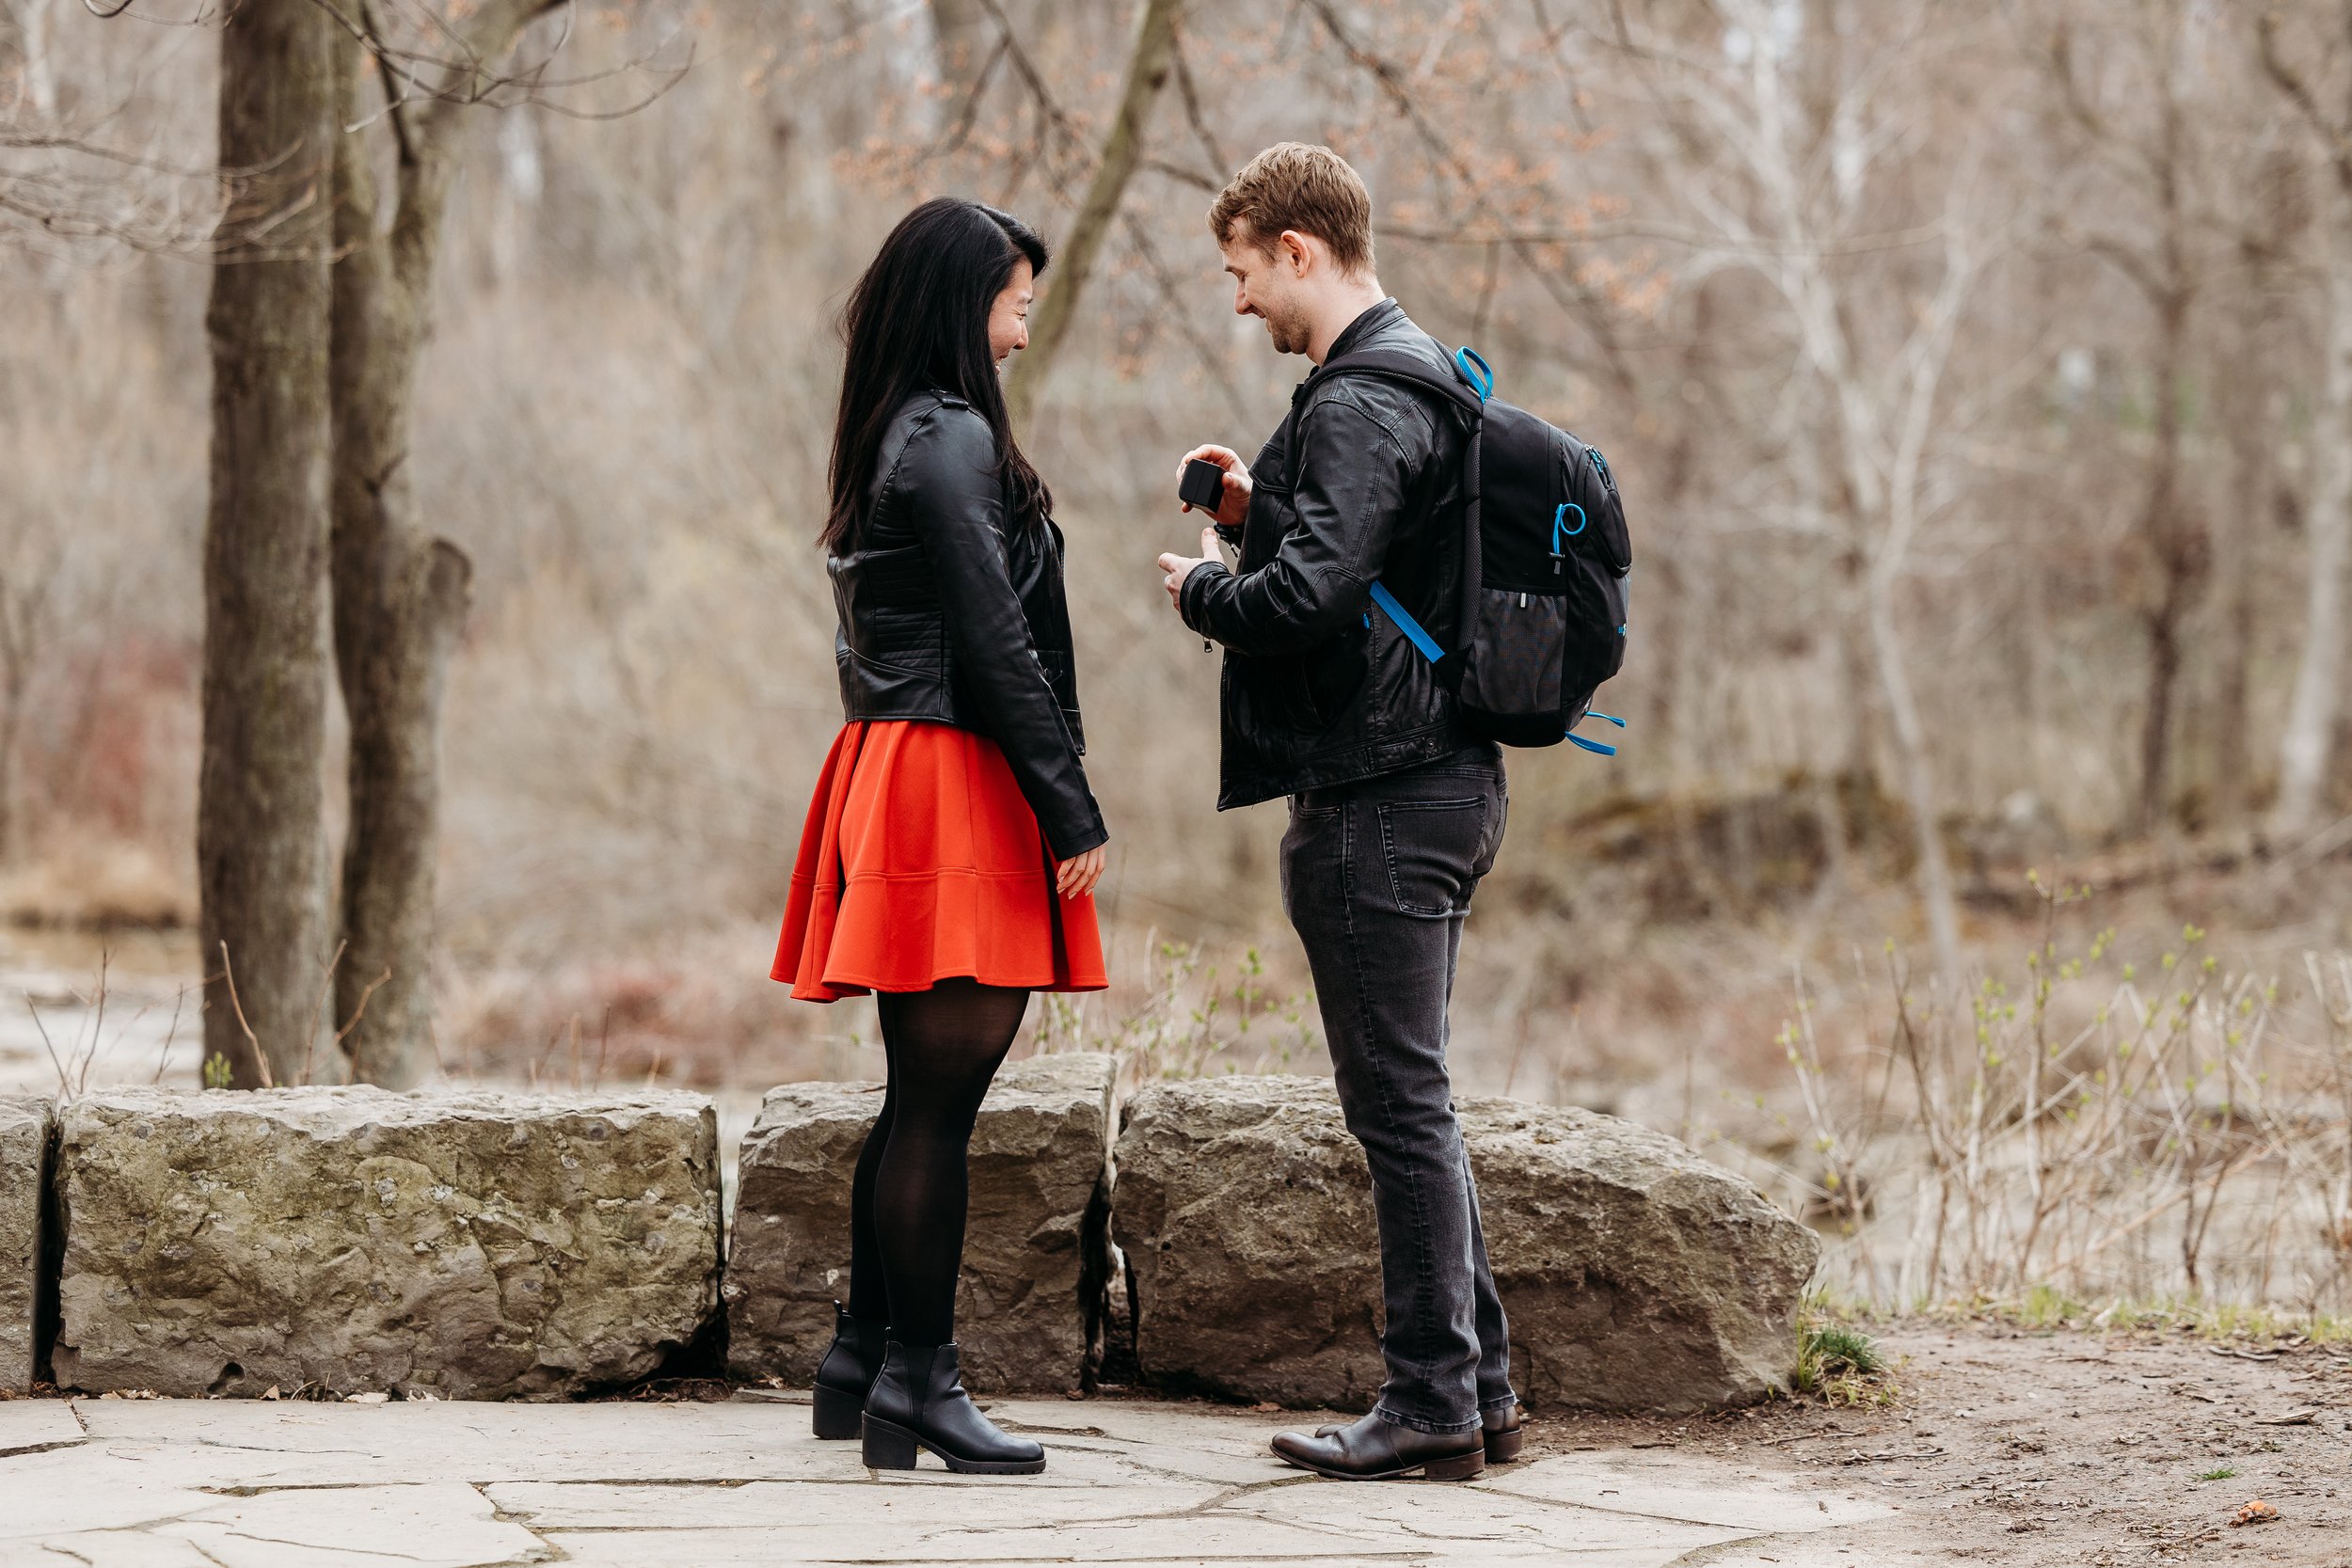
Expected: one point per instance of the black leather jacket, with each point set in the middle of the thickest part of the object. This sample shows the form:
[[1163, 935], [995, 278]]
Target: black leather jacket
[[953, 613], [1319, 686]]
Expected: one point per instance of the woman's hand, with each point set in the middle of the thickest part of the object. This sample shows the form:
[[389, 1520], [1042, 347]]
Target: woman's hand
[[1075, 878], [1232, 507]]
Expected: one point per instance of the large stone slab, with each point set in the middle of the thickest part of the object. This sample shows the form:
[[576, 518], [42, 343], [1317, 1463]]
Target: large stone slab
[[470, 1246], [28, 1129], [1637, 1276], [1028, 1302]]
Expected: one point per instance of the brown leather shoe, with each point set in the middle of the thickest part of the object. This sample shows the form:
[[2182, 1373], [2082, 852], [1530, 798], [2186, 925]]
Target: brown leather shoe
[[1501, 1429], [1376, 1449], [1504, 1435]]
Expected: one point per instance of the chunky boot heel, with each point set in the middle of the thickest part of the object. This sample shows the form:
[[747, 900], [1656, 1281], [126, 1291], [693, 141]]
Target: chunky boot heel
[[836, 1412], [918, 1401], [887, 1448], [848, 1371], [1469, 1467]]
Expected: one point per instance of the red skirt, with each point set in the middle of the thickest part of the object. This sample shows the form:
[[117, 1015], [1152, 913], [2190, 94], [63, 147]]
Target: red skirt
[[921, 862]]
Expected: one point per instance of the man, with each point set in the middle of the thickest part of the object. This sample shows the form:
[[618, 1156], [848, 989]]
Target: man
[[1395, 812]]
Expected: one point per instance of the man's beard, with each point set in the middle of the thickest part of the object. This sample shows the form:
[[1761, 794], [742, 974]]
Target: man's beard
[[1289, 330]]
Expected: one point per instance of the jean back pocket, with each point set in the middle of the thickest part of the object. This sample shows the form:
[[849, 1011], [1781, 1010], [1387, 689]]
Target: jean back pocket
[[1432, 849]]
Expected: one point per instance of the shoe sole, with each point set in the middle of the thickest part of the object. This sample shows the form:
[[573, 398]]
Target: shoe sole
[[836, 1413], [891, 1447], [1468, 1466]]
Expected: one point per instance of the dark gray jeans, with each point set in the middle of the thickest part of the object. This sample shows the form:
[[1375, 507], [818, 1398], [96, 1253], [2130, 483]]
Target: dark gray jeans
[[1377, 877]]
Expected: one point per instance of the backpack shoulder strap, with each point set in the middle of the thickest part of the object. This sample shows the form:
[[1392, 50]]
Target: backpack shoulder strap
[[1396, 365], [1468, 389]]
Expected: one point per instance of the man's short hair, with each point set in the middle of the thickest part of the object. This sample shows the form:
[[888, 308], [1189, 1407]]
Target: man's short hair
[[1309, 189]]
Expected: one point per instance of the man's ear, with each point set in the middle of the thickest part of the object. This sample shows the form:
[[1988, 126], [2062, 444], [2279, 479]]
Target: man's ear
[[1295, 251]]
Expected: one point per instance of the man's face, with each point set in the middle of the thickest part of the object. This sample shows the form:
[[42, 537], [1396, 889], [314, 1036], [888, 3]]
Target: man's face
[[1267, 285]]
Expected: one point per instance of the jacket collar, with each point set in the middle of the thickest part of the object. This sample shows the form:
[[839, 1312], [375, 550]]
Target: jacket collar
[[1373, 320]]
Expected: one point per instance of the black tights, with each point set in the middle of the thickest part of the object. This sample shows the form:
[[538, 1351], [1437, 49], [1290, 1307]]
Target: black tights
[[906, 1208]]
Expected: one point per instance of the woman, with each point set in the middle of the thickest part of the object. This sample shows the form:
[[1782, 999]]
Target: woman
[[950, 854]]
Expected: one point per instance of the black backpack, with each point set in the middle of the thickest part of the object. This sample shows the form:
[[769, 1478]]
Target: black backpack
[[1546, 555]]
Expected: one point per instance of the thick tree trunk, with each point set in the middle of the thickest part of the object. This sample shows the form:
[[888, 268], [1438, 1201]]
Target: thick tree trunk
[[2313, 709], [1148, 64], [400, 598], [260, 850]]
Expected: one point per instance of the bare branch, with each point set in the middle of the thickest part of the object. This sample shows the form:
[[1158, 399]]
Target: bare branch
[[2337, 137]]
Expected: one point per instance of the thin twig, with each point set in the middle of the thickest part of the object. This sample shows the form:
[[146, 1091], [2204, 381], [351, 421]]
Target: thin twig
[[261, 1058], [318, 1010]]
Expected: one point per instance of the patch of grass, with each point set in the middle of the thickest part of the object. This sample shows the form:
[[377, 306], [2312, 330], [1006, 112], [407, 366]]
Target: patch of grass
[[2045, 1306], [2219, 1472], [1838, 1363], [1842, 1347]]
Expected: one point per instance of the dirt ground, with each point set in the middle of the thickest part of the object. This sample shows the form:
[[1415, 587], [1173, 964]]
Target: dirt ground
[[2024, 1446]]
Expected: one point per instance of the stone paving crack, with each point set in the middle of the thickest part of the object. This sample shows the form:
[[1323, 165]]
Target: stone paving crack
[[250, 1490], [197, 1548], [543, 1550], [1235, 1494], [308, 1546], [273, 1448], [930, 1561]]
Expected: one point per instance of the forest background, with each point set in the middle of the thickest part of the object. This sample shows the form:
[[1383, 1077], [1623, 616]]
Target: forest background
[[1972, 871]]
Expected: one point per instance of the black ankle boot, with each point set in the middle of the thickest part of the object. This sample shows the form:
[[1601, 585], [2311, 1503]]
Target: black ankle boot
[[851, 1364], [918, 1403]]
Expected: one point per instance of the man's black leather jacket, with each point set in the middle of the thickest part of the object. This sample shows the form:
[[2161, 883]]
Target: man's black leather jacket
[[1320, 688], [953, 612]]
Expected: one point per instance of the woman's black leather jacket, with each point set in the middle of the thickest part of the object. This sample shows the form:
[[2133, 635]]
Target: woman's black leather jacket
[[953, 612]]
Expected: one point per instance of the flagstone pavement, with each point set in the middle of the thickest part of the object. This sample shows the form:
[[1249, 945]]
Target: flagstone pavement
[[193, 1483]]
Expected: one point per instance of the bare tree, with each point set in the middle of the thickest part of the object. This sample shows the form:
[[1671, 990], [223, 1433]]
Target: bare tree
[[260, 833], [400, 591], [80, 172], [2317, 701], [2157, 162], [1783, 192], [1149, 58]]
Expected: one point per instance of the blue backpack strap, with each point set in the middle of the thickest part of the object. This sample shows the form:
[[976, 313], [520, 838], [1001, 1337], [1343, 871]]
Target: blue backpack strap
[[1594, 746], [1415, 633]]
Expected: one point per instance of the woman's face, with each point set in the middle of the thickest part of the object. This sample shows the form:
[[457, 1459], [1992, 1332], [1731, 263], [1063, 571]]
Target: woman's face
[[1008, 318]]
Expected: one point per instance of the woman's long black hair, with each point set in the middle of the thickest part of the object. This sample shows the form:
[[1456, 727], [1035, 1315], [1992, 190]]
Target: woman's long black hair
[[917, 318]]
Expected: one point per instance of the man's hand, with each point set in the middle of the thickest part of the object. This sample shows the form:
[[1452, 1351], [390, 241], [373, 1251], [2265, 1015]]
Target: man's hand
[[1075, 876], [1234, 506], [1179, 567]]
